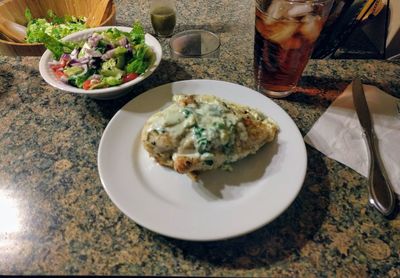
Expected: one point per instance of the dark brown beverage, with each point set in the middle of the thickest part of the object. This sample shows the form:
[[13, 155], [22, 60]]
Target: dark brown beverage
[[283, 46]]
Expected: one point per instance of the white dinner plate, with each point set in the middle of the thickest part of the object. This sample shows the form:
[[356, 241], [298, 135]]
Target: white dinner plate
[[222, 204]]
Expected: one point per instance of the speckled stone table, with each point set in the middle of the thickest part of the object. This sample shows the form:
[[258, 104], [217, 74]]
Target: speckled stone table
[[57, 219]]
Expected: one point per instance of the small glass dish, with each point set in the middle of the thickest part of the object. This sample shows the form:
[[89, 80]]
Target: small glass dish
[[195, 44]]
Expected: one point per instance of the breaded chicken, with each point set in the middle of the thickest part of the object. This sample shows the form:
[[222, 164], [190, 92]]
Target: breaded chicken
[[200, 132]]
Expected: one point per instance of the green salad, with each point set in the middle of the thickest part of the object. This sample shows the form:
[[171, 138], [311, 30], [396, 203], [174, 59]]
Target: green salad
[[105, 59], [53, 25]]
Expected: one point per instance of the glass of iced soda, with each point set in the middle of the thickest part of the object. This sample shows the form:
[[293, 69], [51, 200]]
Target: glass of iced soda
[[285, 35]]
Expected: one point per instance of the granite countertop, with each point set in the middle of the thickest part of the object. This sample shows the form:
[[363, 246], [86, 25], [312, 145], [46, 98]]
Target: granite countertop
[[56, 217]]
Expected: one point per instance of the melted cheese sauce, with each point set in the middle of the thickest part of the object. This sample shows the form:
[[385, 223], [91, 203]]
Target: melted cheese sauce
[[201, 129]]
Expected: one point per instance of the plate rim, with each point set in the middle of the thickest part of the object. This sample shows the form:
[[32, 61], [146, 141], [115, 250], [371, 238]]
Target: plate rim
[[213, 238]]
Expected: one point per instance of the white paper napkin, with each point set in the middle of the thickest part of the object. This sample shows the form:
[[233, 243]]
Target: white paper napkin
[[338, 134]]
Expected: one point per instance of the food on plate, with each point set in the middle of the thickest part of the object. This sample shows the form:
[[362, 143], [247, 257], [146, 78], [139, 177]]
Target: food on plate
[[53, 26], [202, 132], [108, 58]]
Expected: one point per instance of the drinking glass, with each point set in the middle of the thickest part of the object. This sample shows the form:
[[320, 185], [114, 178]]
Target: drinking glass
[[285, 35], [163, 17]]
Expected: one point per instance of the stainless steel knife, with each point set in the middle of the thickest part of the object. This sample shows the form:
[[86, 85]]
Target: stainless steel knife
[[381, 194]]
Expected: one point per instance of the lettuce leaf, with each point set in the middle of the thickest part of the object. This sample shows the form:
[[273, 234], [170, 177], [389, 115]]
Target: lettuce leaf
[[78, 80], [112, 81], [137, 33], [141, 60], [28, 14], [57, 47], [106, 82], [57, 27], [113, 35]]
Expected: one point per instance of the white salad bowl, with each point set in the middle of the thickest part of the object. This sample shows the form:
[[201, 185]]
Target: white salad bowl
[[104, 93]]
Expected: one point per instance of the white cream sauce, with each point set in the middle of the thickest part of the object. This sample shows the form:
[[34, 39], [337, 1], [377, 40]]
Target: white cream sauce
[[206, 126]]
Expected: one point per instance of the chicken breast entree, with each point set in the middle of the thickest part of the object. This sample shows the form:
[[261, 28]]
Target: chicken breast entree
[[201, 132]]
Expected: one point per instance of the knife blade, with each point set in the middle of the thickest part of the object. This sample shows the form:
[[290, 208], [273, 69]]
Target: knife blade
[[381, 194]]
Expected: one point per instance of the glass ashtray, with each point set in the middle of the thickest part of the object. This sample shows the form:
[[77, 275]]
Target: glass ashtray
[[195, 44]]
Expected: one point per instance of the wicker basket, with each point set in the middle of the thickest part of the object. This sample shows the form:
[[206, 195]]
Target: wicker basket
[[14, 10]]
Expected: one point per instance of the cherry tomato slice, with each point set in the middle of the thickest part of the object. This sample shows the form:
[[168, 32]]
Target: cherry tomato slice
[[56, 67], [86, 85], [129, 77], [59, 74]]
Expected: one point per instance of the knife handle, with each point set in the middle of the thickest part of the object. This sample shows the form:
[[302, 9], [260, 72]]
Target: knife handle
[[381, 194]]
